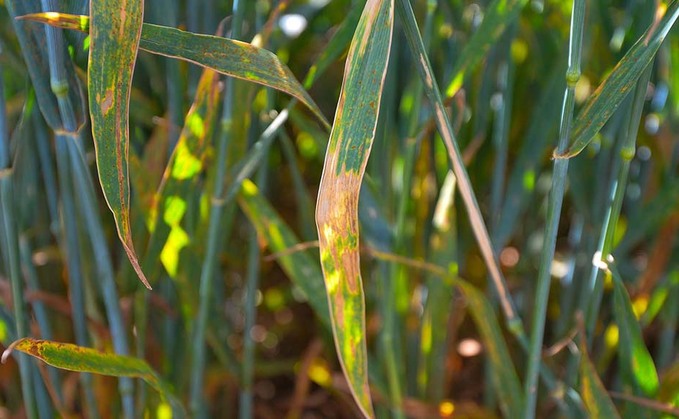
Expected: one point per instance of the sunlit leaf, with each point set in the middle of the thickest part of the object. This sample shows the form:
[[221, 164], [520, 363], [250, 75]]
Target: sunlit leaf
[[337, 208], [227, 56], [622, 80], [115, 29], [632, 349], [77, 358]]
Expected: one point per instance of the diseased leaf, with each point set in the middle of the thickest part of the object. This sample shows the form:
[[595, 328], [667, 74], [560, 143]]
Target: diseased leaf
[[181, 173], [337, 208], [115, 30], [227, 56], [80, 359], [610, 94]]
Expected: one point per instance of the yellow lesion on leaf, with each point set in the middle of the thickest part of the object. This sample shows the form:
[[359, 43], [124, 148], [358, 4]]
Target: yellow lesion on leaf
[[196, 124], [186, 165]]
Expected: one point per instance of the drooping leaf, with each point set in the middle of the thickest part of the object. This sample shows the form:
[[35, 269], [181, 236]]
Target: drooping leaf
[[610, 94], [299, 266], [337, 208], [80, 359], [227, 56], [115, 30], [632, 349]]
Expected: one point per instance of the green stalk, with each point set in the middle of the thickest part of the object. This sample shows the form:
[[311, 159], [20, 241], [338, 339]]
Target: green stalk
[[215, 229], [305, 206], [60, 87], [464, 184], [617, 195], [75, 276], [41, 314], [102, 259], [47, 170], [554, 210], [514, 324], [392, 312], [10, 246], [250, 314], [502, 112], [669, 318]]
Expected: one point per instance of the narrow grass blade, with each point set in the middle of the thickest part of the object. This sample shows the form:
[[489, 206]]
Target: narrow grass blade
[[337, 208], [498, 15], [185, 166], [299, 266], [81, 359], [631, 346], [115, 30], [610, 94], [596, 399], [227, 56]]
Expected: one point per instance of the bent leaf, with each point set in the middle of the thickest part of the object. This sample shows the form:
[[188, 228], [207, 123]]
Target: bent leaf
[[227, 56], [610, 94], [337, 208], [80, 359], [115, 29]]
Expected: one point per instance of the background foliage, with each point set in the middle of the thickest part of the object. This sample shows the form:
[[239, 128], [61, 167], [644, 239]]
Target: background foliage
[[517, 168]]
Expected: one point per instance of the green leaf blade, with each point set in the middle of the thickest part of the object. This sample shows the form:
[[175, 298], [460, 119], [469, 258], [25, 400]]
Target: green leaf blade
[[71, 357], [337, 209], [227, 56], [610, 94], [115, 30], [632, 348]]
